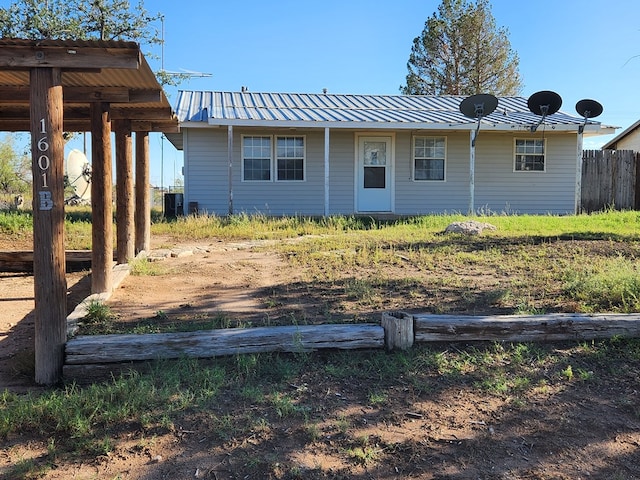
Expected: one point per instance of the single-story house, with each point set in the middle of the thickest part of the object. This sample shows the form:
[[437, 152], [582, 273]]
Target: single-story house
[[328, 154], [628, 139]]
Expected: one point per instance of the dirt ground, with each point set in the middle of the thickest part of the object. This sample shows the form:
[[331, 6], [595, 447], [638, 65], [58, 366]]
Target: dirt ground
[[577, 430]]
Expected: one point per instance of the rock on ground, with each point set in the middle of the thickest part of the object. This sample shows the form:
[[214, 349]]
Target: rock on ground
[[469, 227]]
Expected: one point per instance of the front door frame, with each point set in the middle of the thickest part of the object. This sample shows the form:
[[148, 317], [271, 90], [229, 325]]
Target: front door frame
[[390, 173]]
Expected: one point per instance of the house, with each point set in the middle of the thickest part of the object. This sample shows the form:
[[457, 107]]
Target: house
[[328, 154], [628, 139]]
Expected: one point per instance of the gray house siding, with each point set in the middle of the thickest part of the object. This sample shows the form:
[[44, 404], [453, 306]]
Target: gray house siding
[[498, 188], [281, 197], [341, 172], [420, 197], [207, 176], [206, 180]]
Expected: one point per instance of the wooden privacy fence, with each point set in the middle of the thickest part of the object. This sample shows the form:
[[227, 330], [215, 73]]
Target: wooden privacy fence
[[610, 180], [101, 356]]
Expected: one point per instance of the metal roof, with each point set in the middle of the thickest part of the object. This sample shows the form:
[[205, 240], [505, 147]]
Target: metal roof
[[359, 111], [91, 70]]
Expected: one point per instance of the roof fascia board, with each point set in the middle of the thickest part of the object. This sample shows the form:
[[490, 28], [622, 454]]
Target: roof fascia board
[[621, 135], [22, 56], [379, 126]]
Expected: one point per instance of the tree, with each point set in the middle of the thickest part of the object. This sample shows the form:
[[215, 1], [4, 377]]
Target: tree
[[85, 20], [461, 52], [79, 20], [15, 168]]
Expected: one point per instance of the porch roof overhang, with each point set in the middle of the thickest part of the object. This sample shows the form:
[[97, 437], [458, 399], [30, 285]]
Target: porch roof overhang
[[113, 72], [365, 112]]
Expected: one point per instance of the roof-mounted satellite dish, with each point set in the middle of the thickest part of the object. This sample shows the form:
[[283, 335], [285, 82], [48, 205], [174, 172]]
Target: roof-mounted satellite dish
[[587, 109], [478, 106], [544, 103]]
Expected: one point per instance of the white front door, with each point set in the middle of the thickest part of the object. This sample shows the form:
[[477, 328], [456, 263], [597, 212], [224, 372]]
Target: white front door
[[374, 174]]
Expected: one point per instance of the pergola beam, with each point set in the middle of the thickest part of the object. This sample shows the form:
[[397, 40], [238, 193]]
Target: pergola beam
[[19, 94], [42, 55]]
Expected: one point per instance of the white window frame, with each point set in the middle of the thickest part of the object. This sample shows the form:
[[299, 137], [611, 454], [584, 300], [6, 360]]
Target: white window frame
[[414, 158], [244, 158], [276, 158], [516, 154], [273, 158]]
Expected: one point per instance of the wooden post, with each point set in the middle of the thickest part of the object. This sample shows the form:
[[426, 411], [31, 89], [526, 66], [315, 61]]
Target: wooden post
[[50, 285], [101, 199], [124, 193], [143, 201], [398, 331]]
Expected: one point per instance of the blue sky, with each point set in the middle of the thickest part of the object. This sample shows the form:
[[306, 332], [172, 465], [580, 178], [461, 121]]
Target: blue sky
[[578, 48]]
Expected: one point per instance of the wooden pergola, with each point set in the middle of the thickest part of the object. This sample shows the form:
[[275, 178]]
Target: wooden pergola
[[50, 87]]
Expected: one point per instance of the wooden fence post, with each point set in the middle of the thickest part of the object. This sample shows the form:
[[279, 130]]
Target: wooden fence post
[[398, 331]]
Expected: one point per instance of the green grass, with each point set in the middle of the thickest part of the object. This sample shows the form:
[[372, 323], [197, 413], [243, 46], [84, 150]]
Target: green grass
[[536, 254], [261, 390], [605, 284]]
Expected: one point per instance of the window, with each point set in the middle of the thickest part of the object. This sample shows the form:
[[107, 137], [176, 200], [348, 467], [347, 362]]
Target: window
[[429, 155], [529, 155], [258, 154], [290, 158], [256, 158]]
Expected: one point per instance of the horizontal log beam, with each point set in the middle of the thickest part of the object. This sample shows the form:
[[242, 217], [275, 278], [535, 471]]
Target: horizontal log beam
[[76, 119], [524, 328], [99, 349], [79, 112], [77, 125], [22, 261], [27, 56], [20, 94]]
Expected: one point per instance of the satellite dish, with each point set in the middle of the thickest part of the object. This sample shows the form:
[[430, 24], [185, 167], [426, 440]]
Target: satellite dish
[[79, 177], [587, 109], [478, 106], [544, 103]]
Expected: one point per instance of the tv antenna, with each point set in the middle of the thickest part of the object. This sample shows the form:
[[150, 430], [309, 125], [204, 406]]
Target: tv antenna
[[544, 103], [476, 107], [182, 75], [587, 108]]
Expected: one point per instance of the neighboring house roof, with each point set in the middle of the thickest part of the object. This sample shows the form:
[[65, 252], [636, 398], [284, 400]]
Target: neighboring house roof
[[361, 111], [611, 144]]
